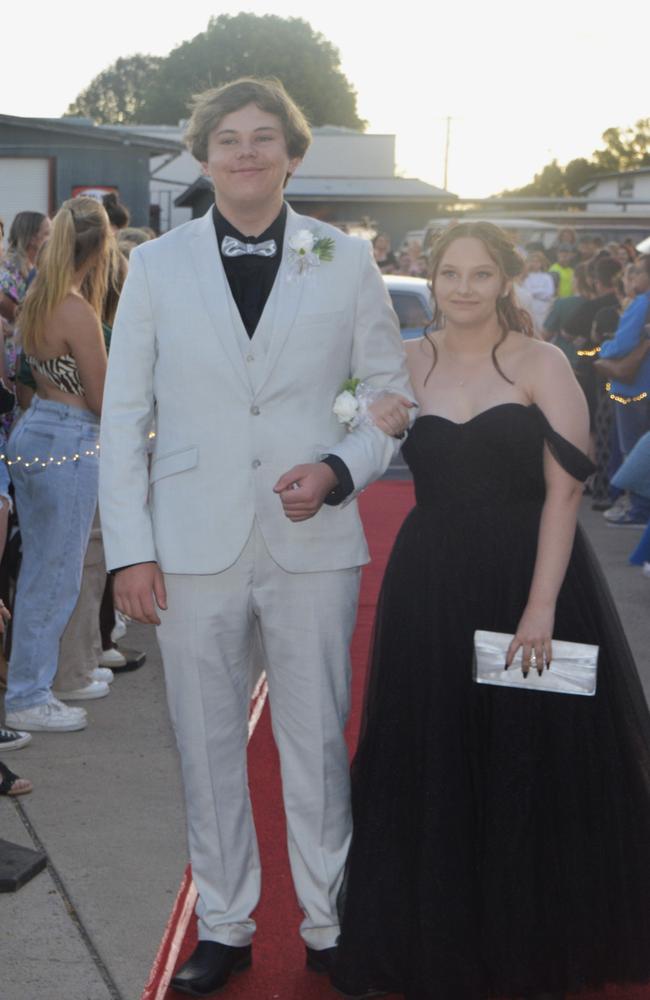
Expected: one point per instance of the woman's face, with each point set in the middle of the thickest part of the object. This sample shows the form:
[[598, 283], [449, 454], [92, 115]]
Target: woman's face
[[468, 282], [534, 263], [39, 239], [628, 279], [382, 245], [641, 276]]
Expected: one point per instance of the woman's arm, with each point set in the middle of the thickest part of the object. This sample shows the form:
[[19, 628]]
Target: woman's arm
[[7, 307], [555, 390]]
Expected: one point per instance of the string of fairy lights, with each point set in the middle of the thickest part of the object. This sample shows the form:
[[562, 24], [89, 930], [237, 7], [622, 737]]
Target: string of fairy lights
[[624, 400], [52, 460]]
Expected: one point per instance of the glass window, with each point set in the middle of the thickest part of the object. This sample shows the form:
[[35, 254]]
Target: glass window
[[626, 187], [411, 309]]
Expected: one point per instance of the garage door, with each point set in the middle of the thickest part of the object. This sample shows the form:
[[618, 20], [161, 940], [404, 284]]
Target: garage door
[[24, 187]]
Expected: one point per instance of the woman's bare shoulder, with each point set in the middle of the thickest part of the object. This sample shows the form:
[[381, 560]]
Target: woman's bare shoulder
[[539, 352], [531, 352], [419, 353], [73, 316]]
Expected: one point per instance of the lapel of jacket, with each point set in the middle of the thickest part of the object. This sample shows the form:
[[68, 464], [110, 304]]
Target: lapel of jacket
[[289, 295], [215, 292]]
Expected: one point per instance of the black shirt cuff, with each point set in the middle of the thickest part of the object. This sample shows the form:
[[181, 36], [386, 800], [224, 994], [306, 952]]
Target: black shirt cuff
[[344, 487]]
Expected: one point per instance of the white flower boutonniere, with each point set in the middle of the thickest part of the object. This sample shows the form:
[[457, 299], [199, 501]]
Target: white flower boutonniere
[[306, 251]]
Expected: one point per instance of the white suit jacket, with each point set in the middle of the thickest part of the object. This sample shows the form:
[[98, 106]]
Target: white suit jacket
[[228, 427]]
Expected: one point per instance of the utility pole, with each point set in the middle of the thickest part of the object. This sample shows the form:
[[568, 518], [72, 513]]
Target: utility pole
[[447, 139]]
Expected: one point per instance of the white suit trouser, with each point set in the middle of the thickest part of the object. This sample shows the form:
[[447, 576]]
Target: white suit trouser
[[207, 638]]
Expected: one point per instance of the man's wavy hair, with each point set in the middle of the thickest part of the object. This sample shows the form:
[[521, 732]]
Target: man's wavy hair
[[502, 251], [212, 106]]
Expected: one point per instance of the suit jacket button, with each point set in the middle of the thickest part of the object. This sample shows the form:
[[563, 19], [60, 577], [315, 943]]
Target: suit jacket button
[[255, 410], [256, 463]]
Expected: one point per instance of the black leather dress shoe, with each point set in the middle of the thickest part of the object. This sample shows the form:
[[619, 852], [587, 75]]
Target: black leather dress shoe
[[320, 961], [209, 967]]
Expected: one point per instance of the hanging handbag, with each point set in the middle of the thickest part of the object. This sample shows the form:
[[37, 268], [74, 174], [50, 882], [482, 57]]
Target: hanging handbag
[[572, 669]]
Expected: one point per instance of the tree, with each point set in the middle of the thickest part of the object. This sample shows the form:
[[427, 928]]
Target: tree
[[577, 173], [115, 96], [160, 92], [248, 45], [549, 182], [624, 149]]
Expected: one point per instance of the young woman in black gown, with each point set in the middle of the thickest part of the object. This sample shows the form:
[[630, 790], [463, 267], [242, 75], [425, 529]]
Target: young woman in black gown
[[501, 841]]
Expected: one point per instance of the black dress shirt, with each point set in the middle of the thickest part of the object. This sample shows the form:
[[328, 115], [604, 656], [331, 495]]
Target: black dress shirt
[[251, 278]]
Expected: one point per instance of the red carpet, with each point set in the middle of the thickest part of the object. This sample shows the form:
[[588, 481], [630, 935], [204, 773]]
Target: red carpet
[[279, 970]]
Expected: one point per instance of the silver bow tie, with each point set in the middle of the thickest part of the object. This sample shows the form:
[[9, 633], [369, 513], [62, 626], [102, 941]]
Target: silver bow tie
[[230, 247]]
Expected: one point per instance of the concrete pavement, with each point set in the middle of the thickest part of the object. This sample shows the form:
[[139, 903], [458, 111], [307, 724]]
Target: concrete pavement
[[107, 809]]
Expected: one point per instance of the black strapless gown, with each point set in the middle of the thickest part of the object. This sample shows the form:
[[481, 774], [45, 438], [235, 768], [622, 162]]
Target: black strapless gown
[[501, 838]]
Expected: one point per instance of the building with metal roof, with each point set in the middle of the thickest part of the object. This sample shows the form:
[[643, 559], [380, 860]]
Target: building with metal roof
[[44, 161]]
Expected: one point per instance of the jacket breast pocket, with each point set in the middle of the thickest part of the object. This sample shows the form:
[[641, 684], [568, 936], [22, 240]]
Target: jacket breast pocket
[[173, 462]]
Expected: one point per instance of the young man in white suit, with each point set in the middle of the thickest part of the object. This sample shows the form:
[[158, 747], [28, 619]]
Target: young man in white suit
[[235, 333]]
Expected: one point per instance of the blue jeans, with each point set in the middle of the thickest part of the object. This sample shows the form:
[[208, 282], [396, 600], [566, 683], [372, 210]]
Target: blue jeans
[[632, 421], [55, 505]]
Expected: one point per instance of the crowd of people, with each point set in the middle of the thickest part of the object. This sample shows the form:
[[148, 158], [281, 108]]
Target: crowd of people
[[60, 282]]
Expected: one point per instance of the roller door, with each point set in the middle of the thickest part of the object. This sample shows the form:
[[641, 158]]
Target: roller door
[[24, 186]]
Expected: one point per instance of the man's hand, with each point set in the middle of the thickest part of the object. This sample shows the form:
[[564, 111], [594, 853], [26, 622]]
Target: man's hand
[[303, 489], [134, 590]]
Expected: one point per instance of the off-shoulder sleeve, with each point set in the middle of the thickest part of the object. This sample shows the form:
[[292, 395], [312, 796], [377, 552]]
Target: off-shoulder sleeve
[[572, 460]]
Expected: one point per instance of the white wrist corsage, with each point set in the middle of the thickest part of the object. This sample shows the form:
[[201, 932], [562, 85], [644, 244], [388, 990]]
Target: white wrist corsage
[[351, 404]]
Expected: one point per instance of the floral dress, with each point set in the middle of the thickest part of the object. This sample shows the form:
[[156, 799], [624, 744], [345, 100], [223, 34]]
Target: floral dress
[[14, 284]]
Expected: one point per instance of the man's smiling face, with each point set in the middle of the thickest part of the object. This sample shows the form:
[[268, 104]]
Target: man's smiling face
[[248, 159]]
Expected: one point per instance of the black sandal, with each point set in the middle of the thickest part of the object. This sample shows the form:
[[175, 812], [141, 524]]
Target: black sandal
[[8, 781]]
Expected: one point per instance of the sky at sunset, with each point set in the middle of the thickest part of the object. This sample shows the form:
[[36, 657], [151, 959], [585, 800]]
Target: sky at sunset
[[523, 83]]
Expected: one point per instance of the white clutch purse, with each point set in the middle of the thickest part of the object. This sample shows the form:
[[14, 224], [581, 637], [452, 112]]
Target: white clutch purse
[[572, 670]]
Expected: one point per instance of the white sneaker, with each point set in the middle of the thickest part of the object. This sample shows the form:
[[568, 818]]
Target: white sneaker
[[96, 689], [112, 658], [103, 674], [119, 629], [52, 717], [645, 569], [620, 506]]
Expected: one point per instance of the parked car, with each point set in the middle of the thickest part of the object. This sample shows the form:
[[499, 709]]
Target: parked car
[[412, 302]]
